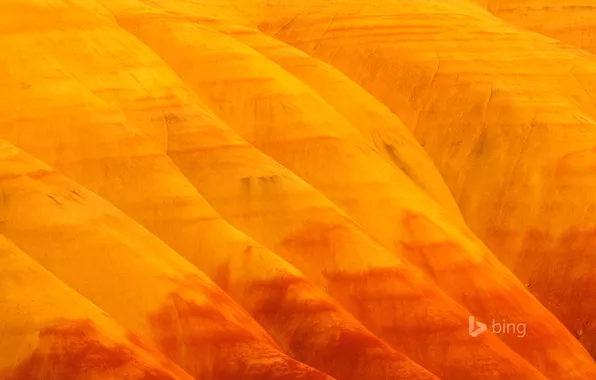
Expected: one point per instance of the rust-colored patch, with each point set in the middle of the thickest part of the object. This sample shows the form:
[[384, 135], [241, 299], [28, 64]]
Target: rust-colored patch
[[37, 174], [222, 277], [579, 163], [275, 295], [417, 320], [425, 325], [76, 350], [313, 328], [191, 286], [430, 257], [315, 238], [183, 323], [562, 273], [208, 344], [441, 257], [159, 357], [368, 293], [420, 228]]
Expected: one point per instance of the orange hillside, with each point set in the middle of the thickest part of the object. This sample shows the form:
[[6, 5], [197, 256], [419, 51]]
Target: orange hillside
[[198, 232], [297, 190], [506, 116], [48, 331], [141, 282], [572, 22], [331, 154]]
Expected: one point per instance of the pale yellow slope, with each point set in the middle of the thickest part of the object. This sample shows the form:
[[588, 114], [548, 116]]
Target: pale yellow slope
[[289, 122], [506, 115], [48, 331]]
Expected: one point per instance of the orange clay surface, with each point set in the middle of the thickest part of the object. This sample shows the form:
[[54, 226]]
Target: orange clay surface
[[49, 331], [506, 115], [569, 21], [303, 189]]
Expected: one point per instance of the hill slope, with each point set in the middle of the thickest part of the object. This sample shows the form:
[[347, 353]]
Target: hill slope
[[572, 22], [282, 190], [521, 110], [228, 256], [128, 272], [50, 332], [320, 145]]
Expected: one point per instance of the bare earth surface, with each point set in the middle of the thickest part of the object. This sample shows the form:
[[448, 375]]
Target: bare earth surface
[[298, 189]]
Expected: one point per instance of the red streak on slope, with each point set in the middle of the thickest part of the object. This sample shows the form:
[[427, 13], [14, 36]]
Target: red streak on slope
[[75, 350], [210, 345], [318, 332]]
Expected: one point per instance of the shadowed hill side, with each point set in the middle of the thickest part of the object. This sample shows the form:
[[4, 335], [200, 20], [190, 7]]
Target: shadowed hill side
[[48, 331], [135, 277], [510, 127], [254, 96]]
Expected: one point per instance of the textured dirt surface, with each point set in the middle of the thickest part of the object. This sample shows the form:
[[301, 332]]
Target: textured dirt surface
[[510, 127], [51, 332], [571, 22], [304, 189]]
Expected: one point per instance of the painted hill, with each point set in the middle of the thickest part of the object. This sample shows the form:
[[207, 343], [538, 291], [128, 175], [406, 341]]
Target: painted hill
[[49, 331], [227, 191], [572, 22], [521, 110], [331, 155], [238, 263], [118, 265]]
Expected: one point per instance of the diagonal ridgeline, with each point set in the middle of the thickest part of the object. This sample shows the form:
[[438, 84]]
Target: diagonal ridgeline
[[288, 121], [132, 275], [507, 116], [86, 137], [570, 21], [49, 331]]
